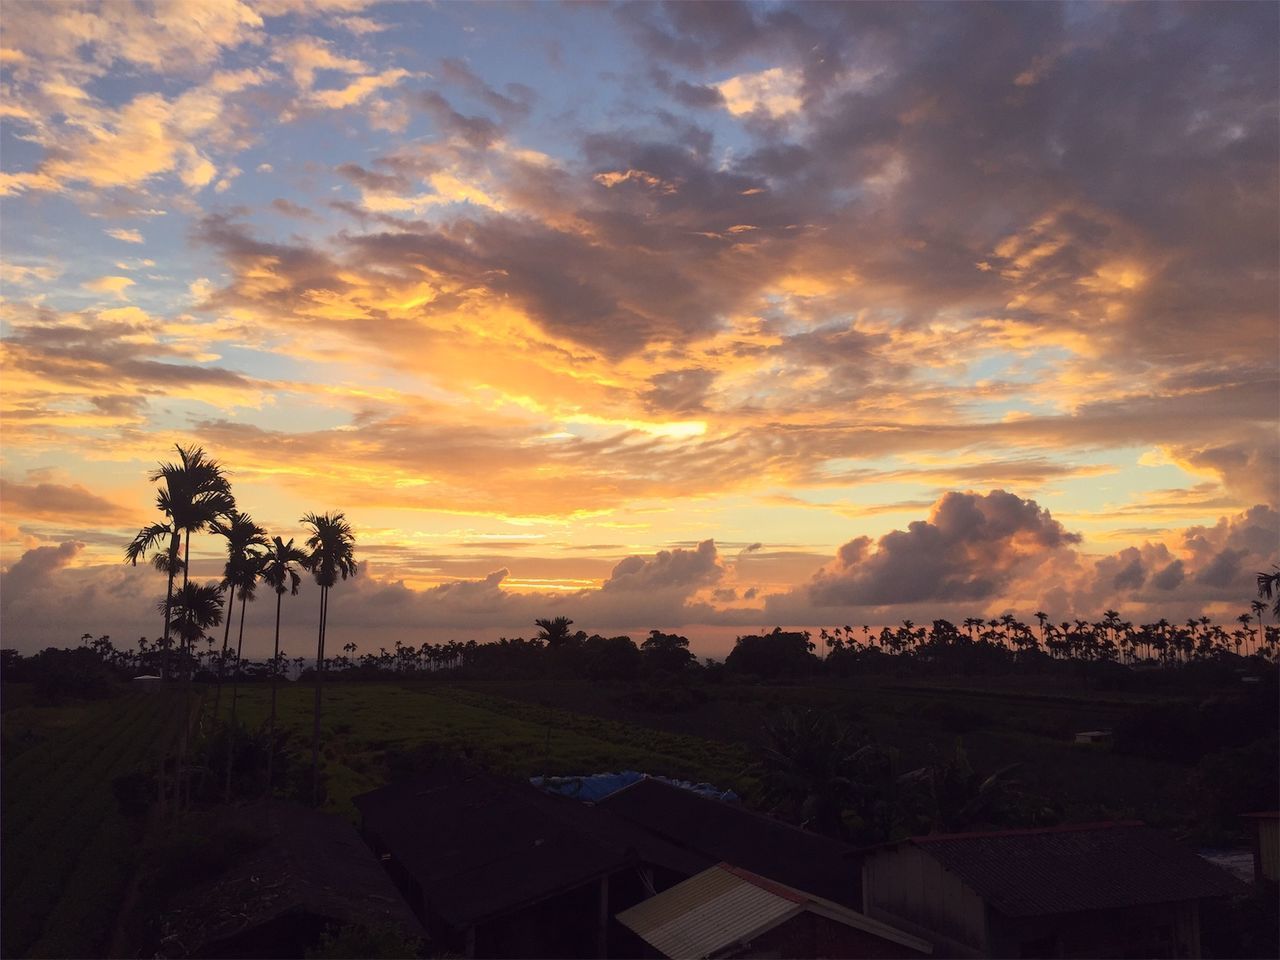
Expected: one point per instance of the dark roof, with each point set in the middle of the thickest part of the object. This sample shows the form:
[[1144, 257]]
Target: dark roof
[[302, 861], [480, 847], [727, 832], [1083, 867]]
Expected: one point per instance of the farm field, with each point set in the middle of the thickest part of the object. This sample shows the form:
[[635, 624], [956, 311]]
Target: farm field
[[997, 726], [69, 851], [364, 724]]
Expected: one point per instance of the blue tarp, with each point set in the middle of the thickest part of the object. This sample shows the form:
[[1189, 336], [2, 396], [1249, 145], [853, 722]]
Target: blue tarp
[[597, 786]]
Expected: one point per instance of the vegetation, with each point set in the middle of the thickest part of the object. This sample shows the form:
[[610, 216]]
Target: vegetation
[[71, 817], [858, 733]]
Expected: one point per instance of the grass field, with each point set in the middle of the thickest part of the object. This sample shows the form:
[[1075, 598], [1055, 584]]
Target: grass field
[[68, 850], [364, 722]]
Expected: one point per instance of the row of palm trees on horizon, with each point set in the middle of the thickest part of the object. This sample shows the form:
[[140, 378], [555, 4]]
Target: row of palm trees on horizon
[[195, 497]]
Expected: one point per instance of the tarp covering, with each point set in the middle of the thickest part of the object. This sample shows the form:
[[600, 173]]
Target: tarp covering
[[597, 786]]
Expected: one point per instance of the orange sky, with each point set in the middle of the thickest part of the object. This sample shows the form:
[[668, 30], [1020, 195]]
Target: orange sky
[[697, 317]]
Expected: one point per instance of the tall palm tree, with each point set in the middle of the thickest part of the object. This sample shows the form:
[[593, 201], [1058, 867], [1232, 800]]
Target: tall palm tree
[[195, 492], [242, 535], [280, 572], [1268, 585], [244, 581], [150, 540], [332, 545]]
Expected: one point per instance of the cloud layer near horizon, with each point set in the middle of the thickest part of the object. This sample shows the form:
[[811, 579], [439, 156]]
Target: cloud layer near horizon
[[976, 290]]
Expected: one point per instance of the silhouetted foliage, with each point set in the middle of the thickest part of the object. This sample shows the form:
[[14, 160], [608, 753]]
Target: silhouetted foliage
[[772, 655], [666, 652]]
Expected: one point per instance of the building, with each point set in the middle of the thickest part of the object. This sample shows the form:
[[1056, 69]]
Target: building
[[306, 874], [726, 911], [497, 868], [1265, 828], [719, 832], [1109, 890]]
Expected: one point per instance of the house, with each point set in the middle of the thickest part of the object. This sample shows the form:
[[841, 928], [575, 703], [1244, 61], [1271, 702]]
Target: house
[[726, 911], [725, 832], [498, 868], [1266, 847], [1110, 890], [303, 874]]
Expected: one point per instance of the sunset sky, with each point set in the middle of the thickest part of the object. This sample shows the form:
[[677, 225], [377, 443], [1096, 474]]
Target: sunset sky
[[699, 317]]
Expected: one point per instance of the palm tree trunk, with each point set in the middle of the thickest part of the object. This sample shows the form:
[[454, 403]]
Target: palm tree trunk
[[275, 679], [181, 777], [222, 662], [315, 730], [235, 696], [168, 605]]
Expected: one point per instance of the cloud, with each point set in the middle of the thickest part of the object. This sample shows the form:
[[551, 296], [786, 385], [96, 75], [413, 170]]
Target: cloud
[[125, 235], [304, 56], [680, 570], [969, 549], [357, 91], [34, 569], [112, 285], [775, 91], [58, 502]]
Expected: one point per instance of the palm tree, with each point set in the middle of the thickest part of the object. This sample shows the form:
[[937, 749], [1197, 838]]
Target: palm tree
[[194, 609], [243, 580], [1269, 585], [242, 535], [149, 540], [554, 632], [280, 572], [332, 546]]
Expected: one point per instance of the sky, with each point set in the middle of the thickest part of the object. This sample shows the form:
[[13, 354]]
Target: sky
[[707, 318]]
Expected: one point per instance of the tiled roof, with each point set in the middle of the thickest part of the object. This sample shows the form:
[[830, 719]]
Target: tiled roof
[[480, 846], [727, 832], [1069, 869]]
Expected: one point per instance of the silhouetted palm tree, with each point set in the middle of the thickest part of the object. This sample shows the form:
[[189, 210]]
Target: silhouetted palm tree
[[280, 572], [194, 608], [554, 632], [1269, 586], [332, 546], [150, 540], [242, 535]]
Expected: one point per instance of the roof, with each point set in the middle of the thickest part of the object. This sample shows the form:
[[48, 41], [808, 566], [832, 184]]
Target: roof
[[725, 905], [725, 832], [480, 847], [1073, 868], [302, 861]]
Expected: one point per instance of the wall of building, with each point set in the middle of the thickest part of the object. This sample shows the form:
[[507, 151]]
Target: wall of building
[[1155, 930], [811, 936], [908, 889]]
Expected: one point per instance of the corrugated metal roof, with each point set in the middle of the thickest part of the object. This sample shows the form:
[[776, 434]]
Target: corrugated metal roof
[[726, 905], [1069, 869], [706, 913]]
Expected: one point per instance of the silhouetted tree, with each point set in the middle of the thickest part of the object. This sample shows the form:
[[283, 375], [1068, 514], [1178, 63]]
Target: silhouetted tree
[[554, 632], [666, 652], [332, 556]]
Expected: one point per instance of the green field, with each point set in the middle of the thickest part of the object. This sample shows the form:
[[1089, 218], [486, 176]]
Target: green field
[[365, 722], [69, 852]]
